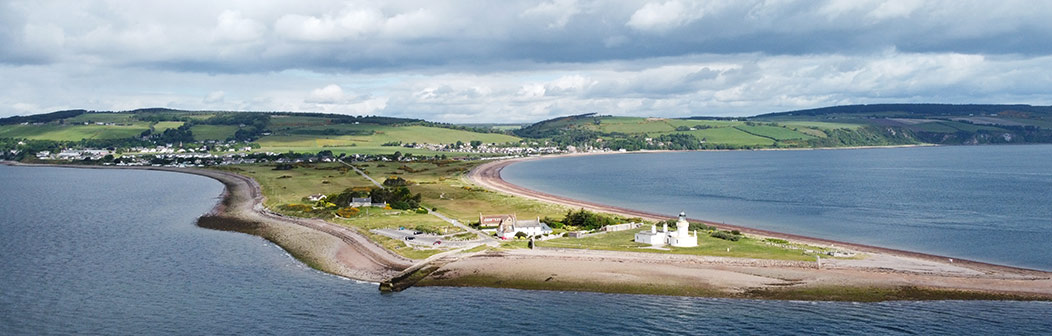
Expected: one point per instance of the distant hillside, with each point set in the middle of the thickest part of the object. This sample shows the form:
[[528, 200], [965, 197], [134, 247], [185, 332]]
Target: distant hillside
[[915, 110], [554, 126], [41, 118], [837, 126], [272, 131]]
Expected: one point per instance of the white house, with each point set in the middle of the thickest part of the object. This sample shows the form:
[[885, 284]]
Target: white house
[[364, 202], [507, 229], [682, 237]]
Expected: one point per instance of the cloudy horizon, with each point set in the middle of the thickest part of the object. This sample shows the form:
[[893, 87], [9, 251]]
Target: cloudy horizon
[[520, 61]]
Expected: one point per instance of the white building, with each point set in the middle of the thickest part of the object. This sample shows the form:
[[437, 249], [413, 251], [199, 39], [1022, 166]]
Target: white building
[[653, 237], [507, 230], [682, 237]]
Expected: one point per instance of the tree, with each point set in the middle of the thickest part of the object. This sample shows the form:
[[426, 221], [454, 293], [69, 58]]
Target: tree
[[476, 143]]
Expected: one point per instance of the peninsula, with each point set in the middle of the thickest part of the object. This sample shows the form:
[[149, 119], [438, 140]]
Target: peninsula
[[402, 202]]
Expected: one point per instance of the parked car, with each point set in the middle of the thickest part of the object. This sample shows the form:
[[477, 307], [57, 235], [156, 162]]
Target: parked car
[[409, 238]]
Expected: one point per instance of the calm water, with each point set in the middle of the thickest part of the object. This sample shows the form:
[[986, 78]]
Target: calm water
[[987, 203], [116, 252]]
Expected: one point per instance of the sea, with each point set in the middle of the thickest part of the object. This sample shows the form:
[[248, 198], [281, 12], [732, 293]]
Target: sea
[[983, 203], [116, 252]]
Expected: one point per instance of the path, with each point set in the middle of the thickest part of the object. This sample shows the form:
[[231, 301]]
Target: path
[[491, 240], [360, 172]]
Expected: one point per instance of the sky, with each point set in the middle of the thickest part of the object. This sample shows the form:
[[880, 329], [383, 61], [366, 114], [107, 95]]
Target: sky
[[515, 61]]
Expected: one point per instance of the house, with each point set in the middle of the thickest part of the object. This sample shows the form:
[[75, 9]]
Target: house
[[492, 221], [508, 230], [316, 197], [679, 238], [365, 202]]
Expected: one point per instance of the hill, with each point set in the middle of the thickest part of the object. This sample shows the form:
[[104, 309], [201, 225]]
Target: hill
[[271, 131], [837, 126], [281, 132]]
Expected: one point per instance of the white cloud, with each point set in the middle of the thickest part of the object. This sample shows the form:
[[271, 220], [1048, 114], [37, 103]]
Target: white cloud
[[215, 97], [232, 26], [520, 60], [557, 13], [351, 23], [660, 17], [330, 94]]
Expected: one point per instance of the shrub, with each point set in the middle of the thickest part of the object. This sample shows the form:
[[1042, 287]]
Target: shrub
[[726, 235], [421, 211], [520, 234], [777, 241], [348, 212], [395, 181]]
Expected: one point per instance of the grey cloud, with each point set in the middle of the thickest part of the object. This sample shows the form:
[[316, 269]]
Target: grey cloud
[[337, 36]]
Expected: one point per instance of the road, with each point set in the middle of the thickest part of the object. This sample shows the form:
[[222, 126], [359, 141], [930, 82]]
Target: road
[[492, 241], [362, 173]]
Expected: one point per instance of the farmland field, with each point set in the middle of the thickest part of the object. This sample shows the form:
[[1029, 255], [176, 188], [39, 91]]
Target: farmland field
[[372, 144], [212, 132], [103, 117], [163, 125], [777, 133], [71, 132], [731, 136]]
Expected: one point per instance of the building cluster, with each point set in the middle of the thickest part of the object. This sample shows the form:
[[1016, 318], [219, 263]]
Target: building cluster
[[488, 149], [508, 226], [682, 237], [74, 154]]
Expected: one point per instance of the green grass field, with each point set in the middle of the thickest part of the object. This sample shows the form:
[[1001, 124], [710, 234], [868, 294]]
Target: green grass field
[[372, 144], [731, 136], [634, 125], [936, 127], [707, 246], [71, 132], [290, 186], [212, 132], [302, 182], [777, 133], [163, 125], [103, 117], [819, 124]]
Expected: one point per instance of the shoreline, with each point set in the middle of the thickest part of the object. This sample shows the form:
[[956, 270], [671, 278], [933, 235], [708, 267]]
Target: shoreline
[[321, 245], [488, 175], [897, 274]]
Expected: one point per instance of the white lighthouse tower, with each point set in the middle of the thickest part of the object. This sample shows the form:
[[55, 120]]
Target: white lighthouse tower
[[683, 237]]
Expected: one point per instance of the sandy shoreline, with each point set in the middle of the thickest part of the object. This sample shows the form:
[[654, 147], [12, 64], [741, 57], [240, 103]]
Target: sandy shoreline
[[883, 270], [488, 175]]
